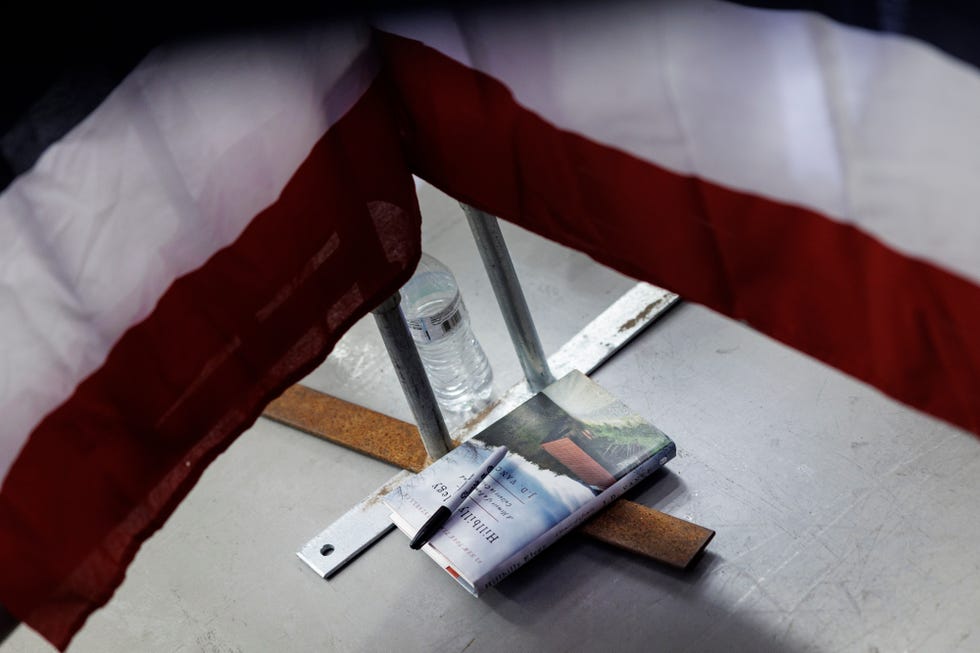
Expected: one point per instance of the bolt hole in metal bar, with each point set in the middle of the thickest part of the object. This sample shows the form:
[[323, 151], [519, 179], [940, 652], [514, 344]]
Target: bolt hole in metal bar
[[352, 533]]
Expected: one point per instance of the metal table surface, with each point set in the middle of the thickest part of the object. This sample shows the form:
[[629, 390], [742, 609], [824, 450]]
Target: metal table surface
[[845, 521]]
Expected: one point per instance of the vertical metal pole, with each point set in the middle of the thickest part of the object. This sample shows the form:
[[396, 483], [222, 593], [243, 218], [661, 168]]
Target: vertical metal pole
[[408, 366], [510, 297]]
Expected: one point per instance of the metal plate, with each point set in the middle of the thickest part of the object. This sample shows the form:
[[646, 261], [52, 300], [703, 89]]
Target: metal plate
[[355, 531]]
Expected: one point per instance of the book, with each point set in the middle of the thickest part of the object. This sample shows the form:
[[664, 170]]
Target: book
[[572, 450]]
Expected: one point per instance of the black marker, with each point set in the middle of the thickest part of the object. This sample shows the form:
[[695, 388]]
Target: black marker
[[445, 511]]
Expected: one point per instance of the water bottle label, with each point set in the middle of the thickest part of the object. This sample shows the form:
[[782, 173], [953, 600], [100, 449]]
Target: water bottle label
[[438, 326]]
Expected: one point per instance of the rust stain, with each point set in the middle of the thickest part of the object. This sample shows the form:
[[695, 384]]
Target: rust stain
[[476, 419], [642, 315], [374, 499]]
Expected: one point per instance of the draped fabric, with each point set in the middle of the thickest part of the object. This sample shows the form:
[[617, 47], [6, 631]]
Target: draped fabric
[[176, 252], [187, 251], [812, 179]]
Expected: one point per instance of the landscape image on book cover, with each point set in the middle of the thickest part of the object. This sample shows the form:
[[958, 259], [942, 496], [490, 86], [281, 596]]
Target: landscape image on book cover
[[572, 449]]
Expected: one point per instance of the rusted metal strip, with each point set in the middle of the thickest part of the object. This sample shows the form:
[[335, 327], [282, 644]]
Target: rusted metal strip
[[648, 532], [350, 425], [624, 524]]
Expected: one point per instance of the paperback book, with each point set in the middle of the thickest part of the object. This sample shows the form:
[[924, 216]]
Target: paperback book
[[572, 449]]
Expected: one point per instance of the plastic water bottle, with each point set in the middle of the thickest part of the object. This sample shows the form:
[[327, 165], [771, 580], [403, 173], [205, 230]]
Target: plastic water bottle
[[453, 358]]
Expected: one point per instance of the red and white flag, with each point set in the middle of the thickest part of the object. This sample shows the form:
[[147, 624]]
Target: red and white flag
[[204, 236], [813, 179], [195, 245]]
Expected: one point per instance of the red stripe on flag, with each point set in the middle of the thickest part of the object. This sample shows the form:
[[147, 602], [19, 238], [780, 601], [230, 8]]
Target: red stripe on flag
[[102, 472], [820, 286]]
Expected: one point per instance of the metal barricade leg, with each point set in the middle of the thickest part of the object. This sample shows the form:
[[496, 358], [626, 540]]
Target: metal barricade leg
[[510, 297], [408, 366]]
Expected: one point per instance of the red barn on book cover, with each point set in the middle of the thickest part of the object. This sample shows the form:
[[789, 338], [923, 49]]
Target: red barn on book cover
[[568, 452]]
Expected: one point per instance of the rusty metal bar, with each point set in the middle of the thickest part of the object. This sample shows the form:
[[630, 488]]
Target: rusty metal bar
[[355, 427], [650, 533]]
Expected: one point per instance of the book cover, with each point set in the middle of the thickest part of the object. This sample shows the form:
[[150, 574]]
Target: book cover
[[572, 449]]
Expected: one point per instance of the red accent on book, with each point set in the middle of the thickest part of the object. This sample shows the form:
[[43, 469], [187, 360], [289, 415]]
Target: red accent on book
[[579, 462]]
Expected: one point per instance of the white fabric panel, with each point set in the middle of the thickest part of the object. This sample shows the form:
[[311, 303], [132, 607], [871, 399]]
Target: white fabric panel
[[169, 169], [878, 131]]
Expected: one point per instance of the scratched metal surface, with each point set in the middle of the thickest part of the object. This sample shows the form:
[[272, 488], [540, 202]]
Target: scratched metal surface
[[845, 521]]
